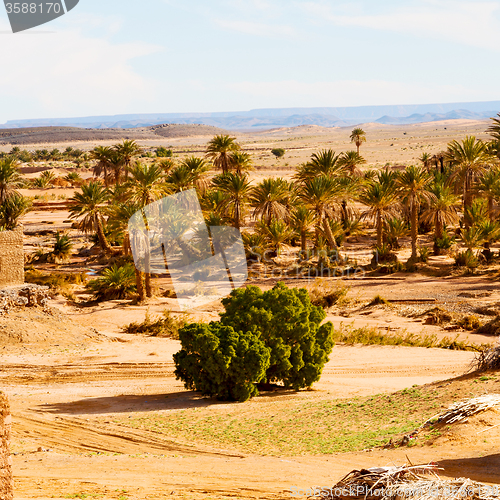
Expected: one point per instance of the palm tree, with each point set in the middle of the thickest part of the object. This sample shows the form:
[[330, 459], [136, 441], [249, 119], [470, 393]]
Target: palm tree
[[271, 199], [127, 151], [494, 130], [350, 161], [12, 209], [322, 194], [325, 162], [102, 155], [241, 162], [219, 150], [62, 248], [180, 179], [414, 183], [214, 200], [381, 198], [277, 233], [10, 178], [302, 221], [90, 206], [489, 187], [238, 191], [470, 158], [358, 136], [198, 169], [441, 210], [146, 185], [426, 159]]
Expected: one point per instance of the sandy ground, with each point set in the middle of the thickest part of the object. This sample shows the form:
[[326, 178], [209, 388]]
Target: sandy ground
[[65, 394]]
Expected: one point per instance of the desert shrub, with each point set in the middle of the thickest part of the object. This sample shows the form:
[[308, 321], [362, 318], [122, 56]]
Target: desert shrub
[[58, 282], [116, 282], [490, 328], [437, 316], [487, 359], [423, 254], [62, 248], [326, 294], [445, 242], [469, 322], [286, 321], [219, 361], [278, 152], [383, 254], [378, 300], [165, 326], [163, 152], [466, 259]]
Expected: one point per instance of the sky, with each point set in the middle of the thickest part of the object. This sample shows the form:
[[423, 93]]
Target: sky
[[109, 57]]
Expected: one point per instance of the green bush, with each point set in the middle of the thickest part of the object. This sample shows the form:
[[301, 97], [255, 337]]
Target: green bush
[[445, 242], [163, 152], [115, 283], [423, 253], [286, 321], [466, 259], [278, 152], [218, 361]]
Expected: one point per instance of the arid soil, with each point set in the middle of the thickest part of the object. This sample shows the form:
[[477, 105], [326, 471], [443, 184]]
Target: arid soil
[[73, 375]]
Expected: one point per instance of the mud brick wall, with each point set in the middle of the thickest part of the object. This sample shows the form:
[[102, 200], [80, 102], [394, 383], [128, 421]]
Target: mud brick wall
[[6, 487], [11, 257]]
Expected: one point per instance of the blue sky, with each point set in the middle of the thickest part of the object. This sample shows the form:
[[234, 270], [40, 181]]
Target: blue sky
[[152, 56]]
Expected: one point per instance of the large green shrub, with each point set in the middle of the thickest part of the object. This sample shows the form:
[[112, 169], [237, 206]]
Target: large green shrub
[[219, 361], [286, 321]]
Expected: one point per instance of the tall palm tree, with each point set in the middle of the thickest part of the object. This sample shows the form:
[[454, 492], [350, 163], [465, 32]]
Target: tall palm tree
[[241, 162], [441, 210], [10, 178], [127, 151], [382, 202], [325, 162], [426, 159], [470, 158], [219, 150], [489, 187], [90, 205], [102, 155], [180, 179], [146, 185], [414, 184], [494, 129], [350, 161], [238, 190], [198, 168], [302, 221], [322, 195], [271, 199], [358, 136]]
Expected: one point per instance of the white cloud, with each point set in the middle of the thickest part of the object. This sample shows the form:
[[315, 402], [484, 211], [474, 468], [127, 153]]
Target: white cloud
[[67, 73], [473, 23], [353, 93]]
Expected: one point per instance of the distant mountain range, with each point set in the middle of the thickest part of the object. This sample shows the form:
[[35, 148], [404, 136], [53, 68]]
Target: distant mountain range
[[260, 119]]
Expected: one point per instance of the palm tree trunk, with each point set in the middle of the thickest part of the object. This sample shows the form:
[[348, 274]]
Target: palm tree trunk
[[329, 234], [127, 249], [414, 230], [303, 242], [140, 285], [103, 242], [490, 207], [438, 233], [379, 229]]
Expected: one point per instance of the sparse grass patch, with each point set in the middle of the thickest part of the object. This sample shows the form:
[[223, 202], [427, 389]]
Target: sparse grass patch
[[58, 282], [374, 336], [378, 300], [166, 326], [326, 294]]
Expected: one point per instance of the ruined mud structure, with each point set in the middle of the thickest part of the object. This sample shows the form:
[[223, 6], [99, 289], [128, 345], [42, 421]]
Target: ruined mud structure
[[6, 492], [11, 257]]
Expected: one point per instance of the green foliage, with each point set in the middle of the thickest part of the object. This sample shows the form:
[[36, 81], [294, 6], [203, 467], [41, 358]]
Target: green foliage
[[423, 254], [445, 242], [163, 152], [62, 248], [289, 325], [12, 209], [58, 282], [278, 152], [219, 361], [115, 283], [166, 326], [466, 259]]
